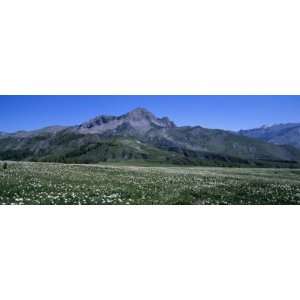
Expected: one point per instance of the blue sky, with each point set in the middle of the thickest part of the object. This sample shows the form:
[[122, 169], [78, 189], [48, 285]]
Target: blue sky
[[225, 112]]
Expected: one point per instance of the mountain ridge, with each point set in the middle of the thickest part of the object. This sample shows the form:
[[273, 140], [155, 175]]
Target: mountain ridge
[[279, 134], [140, 135], [139, 119]]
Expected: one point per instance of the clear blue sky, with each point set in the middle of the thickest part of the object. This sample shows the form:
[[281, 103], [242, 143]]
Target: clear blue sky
[[226, 112]]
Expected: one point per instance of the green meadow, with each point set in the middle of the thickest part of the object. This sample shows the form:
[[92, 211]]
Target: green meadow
[[64, 184]]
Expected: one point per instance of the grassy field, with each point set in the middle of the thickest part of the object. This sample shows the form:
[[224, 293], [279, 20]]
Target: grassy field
[[45, 183]]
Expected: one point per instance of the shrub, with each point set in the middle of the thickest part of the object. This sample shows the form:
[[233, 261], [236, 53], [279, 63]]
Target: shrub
[[5, 166]]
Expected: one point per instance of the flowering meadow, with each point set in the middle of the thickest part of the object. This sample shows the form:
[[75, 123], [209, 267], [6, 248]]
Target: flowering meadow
[[47, 183]]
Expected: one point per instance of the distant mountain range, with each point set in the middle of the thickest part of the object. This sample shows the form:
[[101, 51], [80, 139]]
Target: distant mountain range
[[140, 136], [280, 134]]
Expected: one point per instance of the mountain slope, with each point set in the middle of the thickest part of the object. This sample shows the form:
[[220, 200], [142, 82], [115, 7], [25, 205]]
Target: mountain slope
[[140, 136], [221, 142], [136, 122], [281, 134], [70, 147]]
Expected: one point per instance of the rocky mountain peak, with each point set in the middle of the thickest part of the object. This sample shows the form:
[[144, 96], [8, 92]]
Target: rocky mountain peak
[[146, 117], [168, 123], [141, 112], [140, 120], [97, 121]]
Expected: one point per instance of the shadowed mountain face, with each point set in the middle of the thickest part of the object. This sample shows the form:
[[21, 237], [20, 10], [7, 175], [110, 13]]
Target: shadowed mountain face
[[141, 136], [281, 134]]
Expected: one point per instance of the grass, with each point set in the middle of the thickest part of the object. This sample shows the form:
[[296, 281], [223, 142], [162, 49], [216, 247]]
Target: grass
[[49, 183]]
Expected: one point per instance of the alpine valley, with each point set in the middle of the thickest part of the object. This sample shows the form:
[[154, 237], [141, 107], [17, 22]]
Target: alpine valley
[[142, 138]]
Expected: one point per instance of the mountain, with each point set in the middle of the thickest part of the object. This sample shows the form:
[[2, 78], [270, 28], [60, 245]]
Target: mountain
[[141, 136], [40, 132], [280, 134], [136, 122]]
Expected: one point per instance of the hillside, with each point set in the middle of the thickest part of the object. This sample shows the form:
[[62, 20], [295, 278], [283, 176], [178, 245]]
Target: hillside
[[281, 134], [141, 136]]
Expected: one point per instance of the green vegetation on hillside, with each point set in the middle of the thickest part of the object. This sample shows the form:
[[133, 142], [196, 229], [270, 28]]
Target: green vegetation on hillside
[[73, 148], [139, 136]]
